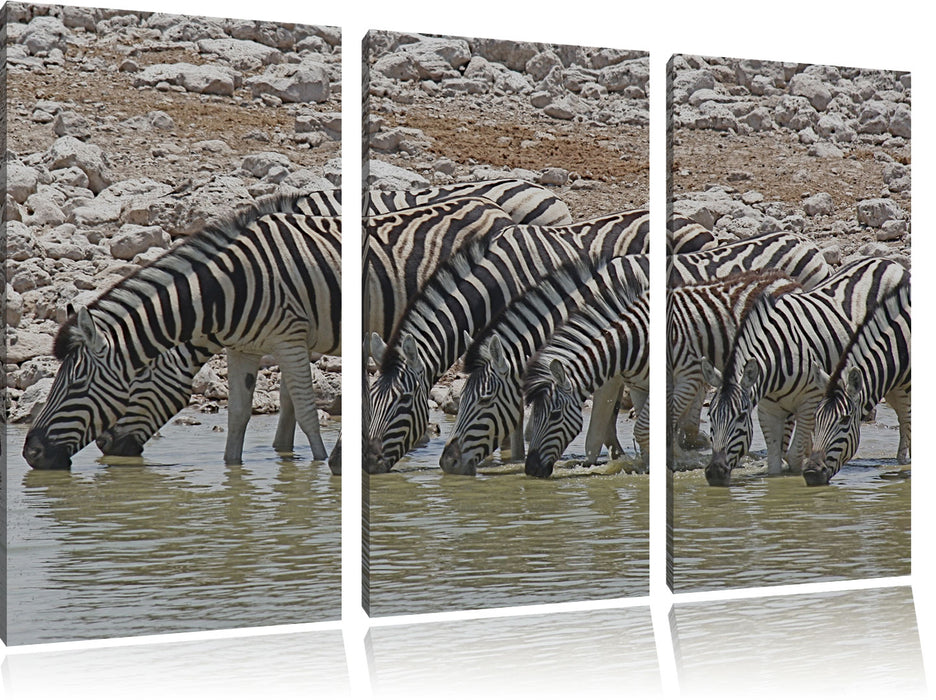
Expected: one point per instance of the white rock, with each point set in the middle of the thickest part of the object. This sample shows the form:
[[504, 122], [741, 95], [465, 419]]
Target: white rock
[[899, 124], [69, 123], [303, 82], [384, 176], [812, 88], [21, 180], [819, 204], [43, 34], [203, 79], [24, 345], [31, 402], [132, 240], [259, 164], [875, 212], [67, 152], [242, 54]]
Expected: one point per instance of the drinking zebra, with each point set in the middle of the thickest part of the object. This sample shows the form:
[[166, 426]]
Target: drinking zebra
[[686, 236], [525, 202], [874, 366], [701, 321], [770, 364], [785, 252], [463, 295], [491, 403], [165, 387], [606, 338], [264, 282]]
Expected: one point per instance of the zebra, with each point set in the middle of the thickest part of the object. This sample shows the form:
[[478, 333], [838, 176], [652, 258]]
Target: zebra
[[264, 281], [491, 403], [404, 247], [701, 320], [786, 252], [462, 295], [686, 236], [525, 202], [770, 364], [164, 388], [605, 338], [875, 365]]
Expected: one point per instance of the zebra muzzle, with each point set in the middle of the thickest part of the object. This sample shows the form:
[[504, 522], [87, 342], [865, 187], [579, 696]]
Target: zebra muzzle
[[717, 472], [39, 454], [452, 461], [816, 472]]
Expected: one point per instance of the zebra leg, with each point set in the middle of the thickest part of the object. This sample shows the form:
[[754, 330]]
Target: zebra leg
[[642, 426], [899, 400], [772, 421], [692, 437], [285, 438], [517, 447], [801, 444], [603, 413], [293, 360], [242, 378]]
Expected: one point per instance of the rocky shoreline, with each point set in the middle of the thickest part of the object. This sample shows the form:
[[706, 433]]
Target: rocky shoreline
[[127, 132]]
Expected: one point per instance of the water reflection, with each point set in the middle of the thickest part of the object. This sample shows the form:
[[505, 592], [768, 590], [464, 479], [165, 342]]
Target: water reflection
[[851, 643], [183, 544], [301, 664], [592, 654], [771, 531], [440, 542]]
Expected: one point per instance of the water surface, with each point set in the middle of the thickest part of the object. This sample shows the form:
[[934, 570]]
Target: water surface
[[776, 530], [174, 542], [443, 542]]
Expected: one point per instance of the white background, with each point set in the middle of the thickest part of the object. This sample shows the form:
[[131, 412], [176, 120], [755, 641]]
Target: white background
[[894, 35]]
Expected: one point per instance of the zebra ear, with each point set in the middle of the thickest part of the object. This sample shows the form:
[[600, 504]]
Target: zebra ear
[[466, 337], [749, 375], [88, 331], [710, 374], [498, 358], [411, 352], [559, 375], [377, 347], [819, 376], [853, 384]]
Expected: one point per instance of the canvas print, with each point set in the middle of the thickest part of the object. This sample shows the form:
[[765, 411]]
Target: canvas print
[[788, 323], [506, 323], [172, 301]]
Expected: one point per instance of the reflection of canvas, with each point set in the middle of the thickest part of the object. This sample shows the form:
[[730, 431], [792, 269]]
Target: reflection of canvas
[[174, 247], [505, 287], [789, 287]]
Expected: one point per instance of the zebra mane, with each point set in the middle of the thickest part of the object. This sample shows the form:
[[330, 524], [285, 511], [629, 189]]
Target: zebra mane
[[764, 300], [871, 317], [572, 273], [744, 277], [593, 317], [434, 293], [68, 336]]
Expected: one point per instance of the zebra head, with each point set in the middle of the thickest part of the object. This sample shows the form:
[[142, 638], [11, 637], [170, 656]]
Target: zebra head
[[156, 394], [90, 391], [555, 416], [490, 406], [837, 428], [399, 404], [730, 418]]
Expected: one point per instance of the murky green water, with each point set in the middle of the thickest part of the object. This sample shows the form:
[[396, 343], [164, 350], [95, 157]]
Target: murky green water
[[769, 531], [444, 542], [179, 542]]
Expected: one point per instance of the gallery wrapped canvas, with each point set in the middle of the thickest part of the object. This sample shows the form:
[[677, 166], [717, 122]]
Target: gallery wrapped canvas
[[788, 323], [172, 265], [505, 309]]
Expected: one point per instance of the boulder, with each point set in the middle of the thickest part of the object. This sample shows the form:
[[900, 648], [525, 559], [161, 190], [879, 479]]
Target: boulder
[[293, 82]]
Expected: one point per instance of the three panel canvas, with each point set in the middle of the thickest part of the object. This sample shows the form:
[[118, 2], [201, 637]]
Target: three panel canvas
[[172, 277]]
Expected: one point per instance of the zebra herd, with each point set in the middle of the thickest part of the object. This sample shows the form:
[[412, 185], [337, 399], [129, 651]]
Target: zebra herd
[[811, 348], [499, 297], [543, 311]]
